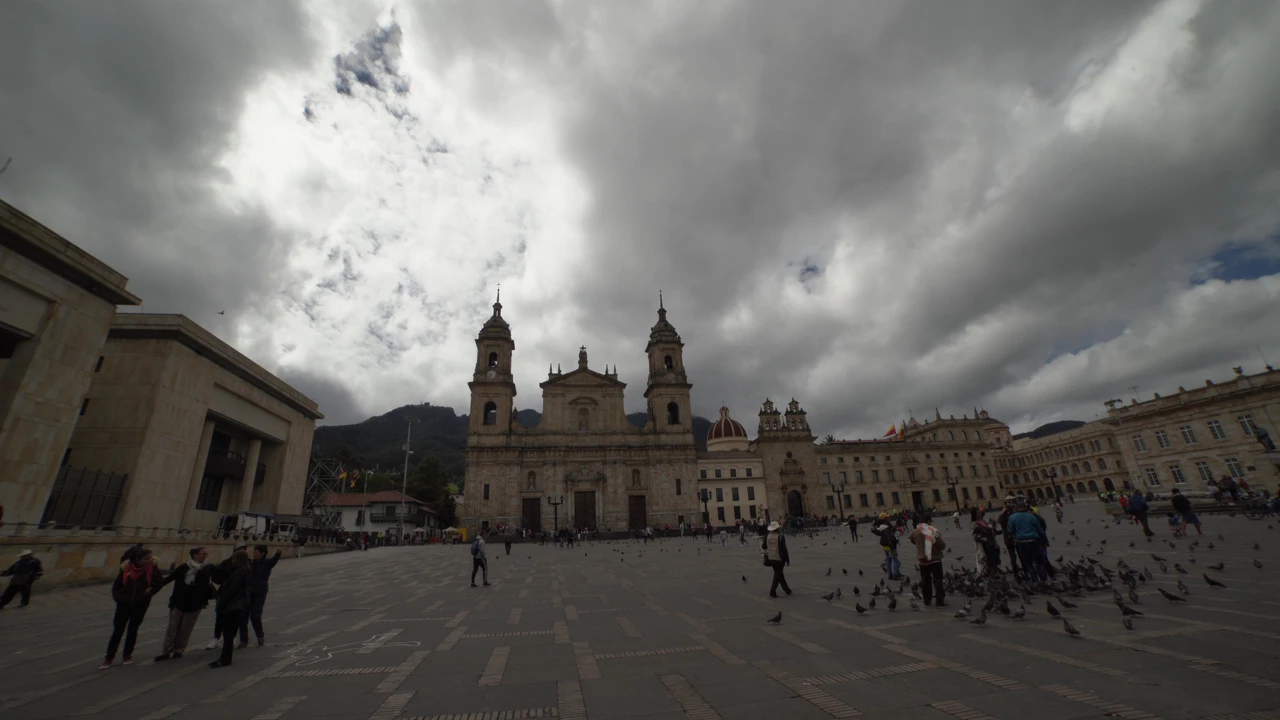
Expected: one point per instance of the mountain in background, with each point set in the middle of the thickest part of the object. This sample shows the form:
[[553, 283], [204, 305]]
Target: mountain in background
[[1052, 428], [379, 441]]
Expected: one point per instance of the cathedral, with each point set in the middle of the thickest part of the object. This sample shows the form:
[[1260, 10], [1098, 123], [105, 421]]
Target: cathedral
[[585, 465]]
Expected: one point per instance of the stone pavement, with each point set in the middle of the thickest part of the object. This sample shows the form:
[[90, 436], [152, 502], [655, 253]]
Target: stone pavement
[[670, 630]]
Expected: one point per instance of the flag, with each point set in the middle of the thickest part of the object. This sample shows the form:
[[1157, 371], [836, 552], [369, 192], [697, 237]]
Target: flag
[[893, 430], [353, 484]]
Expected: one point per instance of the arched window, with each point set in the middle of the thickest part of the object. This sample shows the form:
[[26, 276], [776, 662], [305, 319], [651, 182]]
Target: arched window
[[1040, 493], [1075, 468], [584, 419], [493, 359], [1025, 478], [1087, 467], [1093, 486], [951, 435], [532, 482], [490, 413], [1108, 484], [1102, 463], [673, 414], [1064, 471], [669, 363], [1079, 487], [964, 434], [635, 478]]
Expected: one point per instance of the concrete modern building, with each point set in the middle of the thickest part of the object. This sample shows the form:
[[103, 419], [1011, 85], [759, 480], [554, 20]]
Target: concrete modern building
[[1204, 433], [56, 304], [379, 512], [199, 429]]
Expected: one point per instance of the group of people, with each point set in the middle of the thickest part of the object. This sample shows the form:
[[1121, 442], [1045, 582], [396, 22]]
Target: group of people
[[241, 581]]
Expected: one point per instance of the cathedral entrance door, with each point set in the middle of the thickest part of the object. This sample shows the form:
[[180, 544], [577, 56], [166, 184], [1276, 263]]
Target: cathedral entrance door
[[795, 504], [531, 517], [917, 499], [637, 512], [584, 509]]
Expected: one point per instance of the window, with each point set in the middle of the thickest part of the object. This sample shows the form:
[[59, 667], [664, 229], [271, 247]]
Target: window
[[1139, 444], [848, 501], [844, 477], [733, 472], [951, 493], [937, 495], [932, 476], [879, 499], [717, 472], [720, 513], [992, 488], [1216, 431], [890, 475], [720, 495], [673, 416], [210, 493], [84, 406], [951, 435], [1246, 423], [946, 474], [964, 493], [875, 476], [1234, 467], [677, 486], [1087, 467], [978, 490], [98, 366], [840, 460], [680, 519], [959, 471], [857, 476], [486, 491], [668, 363], [1075, 468], [911, 474], [359, 518], [751, 510], [1162, 439], [895, 498], [748, 472], [964, 435], [1102, 463], [751, 492], [986, 470], [493, 359], [734, 494], [490, 413], [973, 470], [1153, 478], [1188, 434], [826, 478], [824, 461], [862, 499], [702, 473], [1175, 471], [831, 502], [1206, 472], [737, 512]]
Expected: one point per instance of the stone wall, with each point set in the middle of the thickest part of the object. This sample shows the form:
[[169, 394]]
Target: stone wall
[[79, 556]]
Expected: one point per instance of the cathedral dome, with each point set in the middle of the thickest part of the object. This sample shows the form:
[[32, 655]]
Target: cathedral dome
[[726, 433]]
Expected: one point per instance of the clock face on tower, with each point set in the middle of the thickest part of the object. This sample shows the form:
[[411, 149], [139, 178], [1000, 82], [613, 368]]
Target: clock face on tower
[[491, 374]]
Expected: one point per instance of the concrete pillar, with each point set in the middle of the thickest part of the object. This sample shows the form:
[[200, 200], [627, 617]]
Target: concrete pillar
[[197, 475], [250, 472]]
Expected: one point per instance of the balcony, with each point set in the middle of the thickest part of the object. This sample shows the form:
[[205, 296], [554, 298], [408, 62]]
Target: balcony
[[225, 464]]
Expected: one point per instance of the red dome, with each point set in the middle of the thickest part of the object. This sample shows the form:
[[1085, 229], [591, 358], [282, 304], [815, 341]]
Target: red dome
[[726, 427]]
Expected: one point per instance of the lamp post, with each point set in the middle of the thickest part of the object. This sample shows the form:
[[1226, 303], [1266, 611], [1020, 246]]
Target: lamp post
[[404, 484], [1053, 480], [837, 489], [555, 508], [955, 496], [705, 497]]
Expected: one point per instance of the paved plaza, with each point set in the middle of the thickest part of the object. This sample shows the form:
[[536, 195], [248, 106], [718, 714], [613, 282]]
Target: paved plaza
[[670, 630]]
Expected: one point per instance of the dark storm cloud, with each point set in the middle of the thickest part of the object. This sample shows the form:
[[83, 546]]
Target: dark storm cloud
[[336, 401], [116, 114]]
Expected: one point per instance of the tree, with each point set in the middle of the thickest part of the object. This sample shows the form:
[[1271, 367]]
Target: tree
[[828, 439], [429, 483]]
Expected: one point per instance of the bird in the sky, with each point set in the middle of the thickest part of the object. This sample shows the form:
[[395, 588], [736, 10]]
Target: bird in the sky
[[222, 312], [776, 619]]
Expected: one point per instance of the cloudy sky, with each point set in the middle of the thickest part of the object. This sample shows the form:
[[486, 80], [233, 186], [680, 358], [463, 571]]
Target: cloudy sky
[[874, 207]]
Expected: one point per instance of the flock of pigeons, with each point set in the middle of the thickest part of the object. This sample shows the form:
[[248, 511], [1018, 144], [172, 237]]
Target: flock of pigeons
[[1072, 579]]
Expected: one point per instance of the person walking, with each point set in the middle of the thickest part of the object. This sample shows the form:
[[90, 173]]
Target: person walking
[[1002, 524], [1138, 508], [1029, 535], [479, 561], [191, 593], [929, 548], [233, 603], [724, 539], [135, 583], [776, 556], [22, 573], [220, 574], [1182, 506], [853, 527], [260, 572], [889, 543]]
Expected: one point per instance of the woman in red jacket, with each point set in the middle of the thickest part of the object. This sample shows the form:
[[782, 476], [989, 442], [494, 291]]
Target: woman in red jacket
[[137, 580]]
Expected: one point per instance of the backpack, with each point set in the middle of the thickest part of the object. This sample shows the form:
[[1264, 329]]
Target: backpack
[[475, 548]]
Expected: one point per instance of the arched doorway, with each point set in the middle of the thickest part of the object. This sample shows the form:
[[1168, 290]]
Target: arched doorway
[[1127, 486], [795, 504], [1093, 486], [1110, 486], [1040, 493], [1080, 487]]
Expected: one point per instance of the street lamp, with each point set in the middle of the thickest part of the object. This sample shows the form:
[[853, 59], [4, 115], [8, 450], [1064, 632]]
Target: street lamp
[[1053, 479], [404, 485], [705, 497], [555, 507], [953, 482], [837, 489]]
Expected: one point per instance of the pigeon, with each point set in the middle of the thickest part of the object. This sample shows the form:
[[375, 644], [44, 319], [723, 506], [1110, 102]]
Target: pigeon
[[1221, 537], [828, 597], [914, 605], [744, 578], [828, 572], [1127, 611], [1128, 623], [872, 603], [846, 572], [776, 619], [1257, 563], [962, 613], [1133, 596], [859, 573], [1071, 629], [1170, 596], [981, 620], [1019, 614], [1182, 587], [1051, 609], [1212, 582], [1157, 558], [1067, 605], [1210, 546], [859, 608], [839, 594], [1256, 546], [1116, 594], [856, 591], [893, 602], [1219, 567], [1179, 568]]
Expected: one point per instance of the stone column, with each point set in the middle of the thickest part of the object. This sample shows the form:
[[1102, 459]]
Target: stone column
[[197, 474], [250, 472]]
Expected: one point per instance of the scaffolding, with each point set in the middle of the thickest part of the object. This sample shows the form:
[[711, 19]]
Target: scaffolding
[[322, 479]]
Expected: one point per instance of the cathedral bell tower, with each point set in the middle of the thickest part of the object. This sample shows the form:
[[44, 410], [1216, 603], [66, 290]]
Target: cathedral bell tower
[[493, 388], [668, 390]]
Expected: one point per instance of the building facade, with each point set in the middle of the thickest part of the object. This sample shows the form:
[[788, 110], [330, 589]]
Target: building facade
[[1186, 439], [731, 475], [1082, 461], [379, 512]]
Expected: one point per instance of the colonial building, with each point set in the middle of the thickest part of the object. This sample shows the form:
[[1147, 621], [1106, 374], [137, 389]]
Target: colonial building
[[731, 477], [584, 453], [1081, 461], [1196, 435], [380, 512]]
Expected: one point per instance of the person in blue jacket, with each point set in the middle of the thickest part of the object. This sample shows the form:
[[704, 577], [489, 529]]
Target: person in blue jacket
[[1138, 509], [261, 568], [1028, 536]]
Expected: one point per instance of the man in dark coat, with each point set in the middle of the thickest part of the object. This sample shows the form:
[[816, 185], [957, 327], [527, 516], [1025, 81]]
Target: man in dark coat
[[191, 593], [136, 582], [261, 567], [24, 572]]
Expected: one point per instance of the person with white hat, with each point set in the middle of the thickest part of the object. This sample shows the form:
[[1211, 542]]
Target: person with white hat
[[25, 571], [776, 557]]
